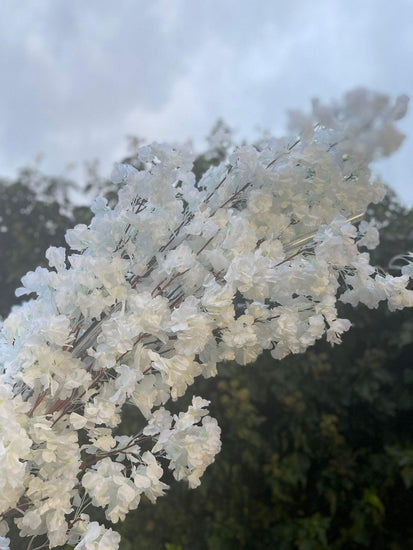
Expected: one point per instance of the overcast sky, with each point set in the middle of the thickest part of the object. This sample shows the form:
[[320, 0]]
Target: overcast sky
[[78, 76]]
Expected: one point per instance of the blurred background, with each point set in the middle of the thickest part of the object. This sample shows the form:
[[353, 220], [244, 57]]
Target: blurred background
[[317, 449]]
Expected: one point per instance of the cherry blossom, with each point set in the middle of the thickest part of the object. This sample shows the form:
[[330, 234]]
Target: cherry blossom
[[179, 276]]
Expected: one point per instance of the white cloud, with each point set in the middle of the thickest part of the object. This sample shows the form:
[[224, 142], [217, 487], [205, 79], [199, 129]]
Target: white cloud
[[77, 77]]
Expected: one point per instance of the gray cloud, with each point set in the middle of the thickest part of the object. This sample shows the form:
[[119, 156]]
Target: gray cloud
[[77, 77]]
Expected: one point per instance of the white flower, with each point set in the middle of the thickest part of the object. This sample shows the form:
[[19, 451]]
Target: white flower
[[79, 237], [149, 392], [191, 443], [370, 235], [180, 259], [34, 281], [159, 421], [97, 537], [192, 327], [77, 421], [56, 257], [111, 489], [178, 371], [337, 327], [147, 478], [15, 447], [121, 172]]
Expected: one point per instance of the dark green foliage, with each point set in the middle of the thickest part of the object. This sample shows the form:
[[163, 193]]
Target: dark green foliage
[[317, 453], [396, 234]]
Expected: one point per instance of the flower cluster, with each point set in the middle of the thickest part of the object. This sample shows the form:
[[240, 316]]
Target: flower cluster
[[178, 276]]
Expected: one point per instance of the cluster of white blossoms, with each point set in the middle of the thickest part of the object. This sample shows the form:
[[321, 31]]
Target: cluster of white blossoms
[[179, 276]]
